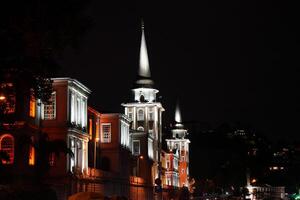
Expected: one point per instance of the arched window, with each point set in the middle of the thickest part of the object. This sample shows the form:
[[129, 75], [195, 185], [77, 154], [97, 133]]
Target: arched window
[[140, 115], [140, 128], [7, 145]]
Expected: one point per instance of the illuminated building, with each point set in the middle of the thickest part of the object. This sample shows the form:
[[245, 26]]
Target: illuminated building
[[115, 144], [170, 161], [145, 113], [65, 118], [180, 144]]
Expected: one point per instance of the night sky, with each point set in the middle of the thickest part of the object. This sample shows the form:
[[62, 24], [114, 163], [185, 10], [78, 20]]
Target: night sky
[[226, 61]]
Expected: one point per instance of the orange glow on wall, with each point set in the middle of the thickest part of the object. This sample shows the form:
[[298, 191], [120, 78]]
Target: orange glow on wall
[[31, 156], [182, 173], [90, 128], [32, 107], [97, 136]]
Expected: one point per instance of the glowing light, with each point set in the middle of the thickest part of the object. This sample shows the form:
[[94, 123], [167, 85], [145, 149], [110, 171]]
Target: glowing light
[[141, 157], [177, 114], [2, 97], [144, 62], [32, 107], [31, 160], [253, 180]]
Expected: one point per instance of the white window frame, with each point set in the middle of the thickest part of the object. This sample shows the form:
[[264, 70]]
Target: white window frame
[[104, 138], [48, 106], [133, 152], [140, 117]]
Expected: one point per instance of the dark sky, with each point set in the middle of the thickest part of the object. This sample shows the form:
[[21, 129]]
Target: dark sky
[[226, 61]]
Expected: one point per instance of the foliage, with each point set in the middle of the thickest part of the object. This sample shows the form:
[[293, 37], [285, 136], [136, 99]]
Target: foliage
[[44, 148]]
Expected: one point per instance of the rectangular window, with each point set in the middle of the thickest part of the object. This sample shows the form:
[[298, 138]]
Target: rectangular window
[[106, 133], [150, 148], [83, 113], [50, 108], [72, 108], [78, 111], [31, 160], [32, 104], [136, 147]]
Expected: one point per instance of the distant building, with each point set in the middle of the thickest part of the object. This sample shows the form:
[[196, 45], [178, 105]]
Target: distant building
[[180, 144], [170, 177]]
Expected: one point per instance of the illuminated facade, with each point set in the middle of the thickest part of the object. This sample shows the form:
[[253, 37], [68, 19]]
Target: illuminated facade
[[65, 118], [145, 114], [115, 149], [180, 145], [170, 161]]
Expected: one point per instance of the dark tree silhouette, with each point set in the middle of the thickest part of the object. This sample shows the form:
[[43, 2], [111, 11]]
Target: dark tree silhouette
[[32, 34], [44, 149]]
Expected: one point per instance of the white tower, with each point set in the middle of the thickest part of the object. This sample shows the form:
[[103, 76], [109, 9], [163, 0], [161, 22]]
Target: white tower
[[145, 114]]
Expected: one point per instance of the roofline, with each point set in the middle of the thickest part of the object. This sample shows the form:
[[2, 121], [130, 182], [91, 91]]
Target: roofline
[[75, 81], [94, 111], [142, 104], [120, 115]]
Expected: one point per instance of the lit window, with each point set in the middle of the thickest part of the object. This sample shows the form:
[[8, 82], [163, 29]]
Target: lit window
[[106, 133], [50, 108], [78, 120], [150, 148], [72, 108], [8, 97], [31, 160], [7, 145], [32, 107], [136, 147], [140, 115]]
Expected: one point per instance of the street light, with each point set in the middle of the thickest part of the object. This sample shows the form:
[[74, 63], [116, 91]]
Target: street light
[[2, 97]]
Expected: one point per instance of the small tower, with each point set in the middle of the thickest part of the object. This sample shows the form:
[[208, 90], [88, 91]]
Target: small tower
[[180, 143], [145, 114]]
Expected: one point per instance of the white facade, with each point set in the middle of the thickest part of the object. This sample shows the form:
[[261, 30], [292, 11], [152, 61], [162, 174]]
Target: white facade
[[78, 109], [77, 136], [125, 136], [145, 113]]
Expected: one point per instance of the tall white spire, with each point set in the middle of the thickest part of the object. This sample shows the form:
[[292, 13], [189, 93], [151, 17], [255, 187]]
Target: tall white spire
[[177, 114], [144, 69]]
